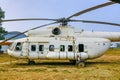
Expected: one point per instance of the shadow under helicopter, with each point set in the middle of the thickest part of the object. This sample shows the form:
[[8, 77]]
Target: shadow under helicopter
[[66, 64]]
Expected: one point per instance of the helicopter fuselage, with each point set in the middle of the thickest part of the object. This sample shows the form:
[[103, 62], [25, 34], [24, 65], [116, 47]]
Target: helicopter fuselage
[[65, 46], [63, 43], [58, 48]]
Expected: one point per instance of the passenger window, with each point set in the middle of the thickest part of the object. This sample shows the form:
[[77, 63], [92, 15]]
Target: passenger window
[[18, 46], [81, 48], [33, 47], [41, 47], [62, 48], [51, 48], [70, 48]]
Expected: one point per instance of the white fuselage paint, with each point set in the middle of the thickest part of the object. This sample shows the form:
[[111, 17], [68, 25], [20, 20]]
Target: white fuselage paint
[[93, 48], [86, 45]]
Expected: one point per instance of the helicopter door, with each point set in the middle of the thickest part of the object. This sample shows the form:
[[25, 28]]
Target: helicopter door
[[33, 48], [25, 51], [41, 50]]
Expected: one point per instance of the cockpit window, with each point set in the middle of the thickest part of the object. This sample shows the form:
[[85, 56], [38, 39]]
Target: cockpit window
[[18, 46]]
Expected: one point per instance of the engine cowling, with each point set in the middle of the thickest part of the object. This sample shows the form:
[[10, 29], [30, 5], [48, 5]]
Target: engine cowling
[[56, 31]]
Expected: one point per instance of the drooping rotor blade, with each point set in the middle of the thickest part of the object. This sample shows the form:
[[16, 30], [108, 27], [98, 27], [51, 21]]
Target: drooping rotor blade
[[97, 22], [27, 19], [27, 31], [90, 9], [117, 1]]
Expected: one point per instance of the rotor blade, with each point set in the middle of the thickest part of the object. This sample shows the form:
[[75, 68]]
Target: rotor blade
[[117, 1], [92, 8], [96, 22], [27, 19], [27, 31]]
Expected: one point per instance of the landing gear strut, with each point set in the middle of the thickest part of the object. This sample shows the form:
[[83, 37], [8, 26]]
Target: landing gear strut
[[31, 62]]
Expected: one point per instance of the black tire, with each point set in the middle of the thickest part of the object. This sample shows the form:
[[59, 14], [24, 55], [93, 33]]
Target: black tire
[[31, 62], [80, 64]]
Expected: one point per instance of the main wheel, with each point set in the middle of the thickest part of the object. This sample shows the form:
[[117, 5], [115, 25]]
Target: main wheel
[[31, 62], [80, 64]]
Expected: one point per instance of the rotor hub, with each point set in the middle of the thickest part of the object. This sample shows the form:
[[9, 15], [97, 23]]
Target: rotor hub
[[63, 21]]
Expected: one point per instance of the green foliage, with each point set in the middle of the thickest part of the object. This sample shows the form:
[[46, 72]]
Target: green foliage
[[2, 14], [2, 30]]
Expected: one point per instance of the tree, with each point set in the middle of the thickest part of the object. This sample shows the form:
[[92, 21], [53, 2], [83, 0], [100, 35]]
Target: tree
[[2, 30], [1, 14]]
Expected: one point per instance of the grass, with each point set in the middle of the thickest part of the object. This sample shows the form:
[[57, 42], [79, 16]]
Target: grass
[[4, 58], [113, 51], [106, 67]]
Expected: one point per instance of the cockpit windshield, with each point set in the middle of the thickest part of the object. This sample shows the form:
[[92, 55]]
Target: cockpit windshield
[[18, 46], [12, 46]]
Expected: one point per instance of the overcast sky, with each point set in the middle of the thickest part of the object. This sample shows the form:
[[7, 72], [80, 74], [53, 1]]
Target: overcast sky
[[59, 9]]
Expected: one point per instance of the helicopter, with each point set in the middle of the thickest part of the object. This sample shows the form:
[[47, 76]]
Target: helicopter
[[63, 42]]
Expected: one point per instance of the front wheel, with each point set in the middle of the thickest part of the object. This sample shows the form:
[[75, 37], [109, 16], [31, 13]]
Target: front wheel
[[31, 62]]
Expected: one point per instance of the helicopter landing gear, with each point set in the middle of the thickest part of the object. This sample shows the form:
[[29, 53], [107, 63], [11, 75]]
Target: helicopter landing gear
[[80, 64], [31, 62]]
